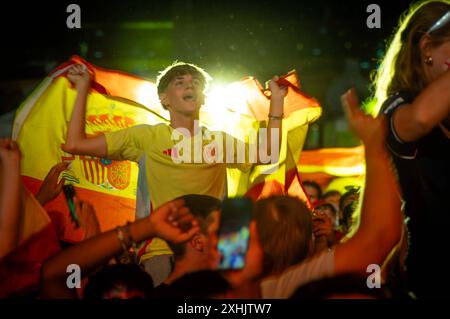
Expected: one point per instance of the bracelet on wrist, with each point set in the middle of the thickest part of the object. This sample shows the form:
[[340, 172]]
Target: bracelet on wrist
[[276, 117], [128, 245]]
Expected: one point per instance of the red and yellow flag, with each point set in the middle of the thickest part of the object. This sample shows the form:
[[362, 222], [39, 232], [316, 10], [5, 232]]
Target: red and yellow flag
[[20, 269], [326, 164], [119, 100]]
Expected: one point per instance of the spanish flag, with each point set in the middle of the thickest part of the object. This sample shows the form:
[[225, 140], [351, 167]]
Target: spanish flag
[[119, 100], [326, 164], [245, 104]]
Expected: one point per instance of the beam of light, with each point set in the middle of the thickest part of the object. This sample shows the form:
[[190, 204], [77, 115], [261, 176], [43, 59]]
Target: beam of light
[[147, 95], [231, 96], [225, 104]]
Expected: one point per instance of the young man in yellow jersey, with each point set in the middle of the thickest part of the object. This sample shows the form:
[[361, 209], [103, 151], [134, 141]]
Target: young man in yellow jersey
[[181, 89]]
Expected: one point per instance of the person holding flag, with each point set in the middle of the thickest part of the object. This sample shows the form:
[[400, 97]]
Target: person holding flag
[[181, 89]]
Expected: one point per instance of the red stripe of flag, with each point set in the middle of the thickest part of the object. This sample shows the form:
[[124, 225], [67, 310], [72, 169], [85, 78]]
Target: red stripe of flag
[[91, 171], [95, 163], [85, 170]]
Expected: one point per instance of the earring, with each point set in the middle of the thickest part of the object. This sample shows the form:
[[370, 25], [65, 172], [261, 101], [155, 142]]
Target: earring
[[429, 60]]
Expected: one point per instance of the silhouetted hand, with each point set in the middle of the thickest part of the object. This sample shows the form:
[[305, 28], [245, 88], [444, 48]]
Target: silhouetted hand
[[277, 91], [87, 218], [371, 131], [9, 152], [79, 76], [322, 225], [173, 222], [50, 187]]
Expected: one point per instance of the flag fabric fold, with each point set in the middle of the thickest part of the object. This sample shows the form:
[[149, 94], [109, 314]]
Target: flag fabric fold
[[20, 269], [340, 166]]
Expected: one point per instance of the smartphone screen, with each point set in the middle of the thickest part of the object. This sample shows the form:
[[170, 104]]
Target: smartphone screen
[[234, 232], [69, 193]]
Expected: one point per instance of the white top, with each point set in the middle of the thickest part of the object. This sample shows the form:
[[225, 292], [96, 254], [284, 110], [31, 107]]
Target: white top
[[284, 285]]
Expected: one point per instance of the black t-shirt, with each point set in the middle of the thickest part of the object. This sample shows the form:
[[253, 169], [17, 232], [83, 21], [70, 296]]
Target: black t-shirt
[[424, 174]]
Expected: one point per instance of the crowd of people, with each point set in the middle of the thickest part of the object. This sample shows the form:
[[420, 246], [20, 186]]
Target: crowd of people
[[294, 250]]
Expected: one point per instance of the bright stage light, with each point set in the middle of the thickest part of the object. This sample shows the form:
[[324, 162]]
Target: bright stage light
[[233, 96], [147, 94]]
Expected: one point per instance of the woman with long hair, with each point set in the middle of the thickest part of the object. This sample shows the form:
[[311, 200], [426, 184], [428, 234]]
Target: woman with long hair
[[412, 88]]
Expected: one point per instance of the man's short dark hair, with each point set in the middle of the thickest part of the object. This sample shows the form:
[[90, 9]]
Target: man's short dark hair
[[351, 191], [201, 207], [203, 284], [180, 69], [108, 278], [316, 186], [331, 193]]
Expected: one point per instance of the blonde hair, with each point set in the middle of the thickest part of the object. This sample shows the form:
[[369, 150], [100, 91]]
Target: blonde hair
[[401, 69], [285, 232]]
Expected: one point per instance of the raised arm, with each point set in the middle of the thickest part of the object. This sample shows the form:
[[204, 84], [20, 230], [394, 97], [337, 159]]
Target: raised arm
[[275, 119], [77, 142], [381, 218], [432, 106], [171, 222], [9, 195]]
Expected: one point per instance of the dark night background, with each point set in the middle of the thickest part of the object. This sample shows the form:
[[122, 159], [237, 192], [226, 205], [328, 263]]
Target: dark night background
[[327, 42]]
